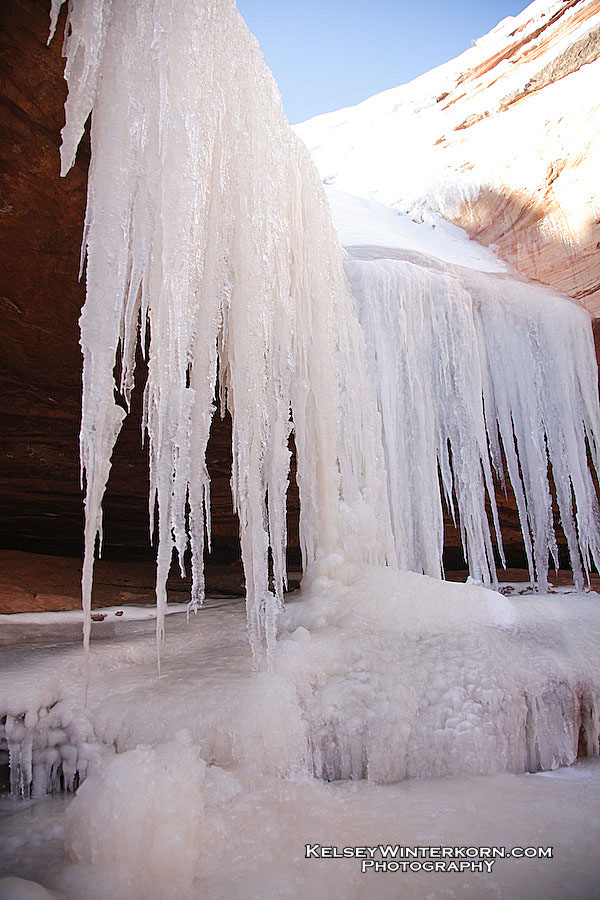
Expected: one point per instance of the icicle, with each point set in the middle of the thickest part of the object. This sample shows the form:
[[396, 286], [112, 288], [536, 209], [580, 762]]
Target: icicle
[[470, 366], [542, 387], [425, 361], [207, 220]]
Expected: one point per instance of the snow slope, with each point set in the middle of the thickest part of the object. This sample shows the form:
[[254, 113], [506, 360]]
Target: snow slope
[[509, 130]]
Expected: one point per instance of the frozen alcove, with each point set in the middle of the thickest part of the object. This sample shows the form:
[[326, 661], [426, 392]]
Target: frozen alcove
[[201, 197], [208, 232]]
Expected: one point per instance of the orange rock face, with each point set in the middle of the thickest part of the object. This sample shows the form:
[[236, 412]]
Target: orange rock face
[[529, 233]]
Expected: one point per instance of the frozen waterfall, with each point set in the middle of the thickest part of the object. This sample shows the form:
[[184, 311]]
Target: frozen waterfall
[[209, 239], [478, 371], [207, 226]]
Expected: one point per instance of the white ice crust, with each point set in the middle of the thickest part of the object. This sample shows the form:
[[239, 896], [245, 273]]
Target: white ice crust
[[379, 674]]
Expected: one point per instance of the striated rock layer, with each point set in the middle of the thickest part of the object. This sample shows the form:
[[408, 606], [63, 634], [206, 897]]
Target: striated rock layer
[[549, 229]]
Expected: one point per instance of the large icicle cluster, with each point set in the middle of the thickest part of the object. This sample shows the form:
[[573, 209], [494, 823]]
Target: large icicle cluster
[[207, 226], [474, 371], [208, 238]]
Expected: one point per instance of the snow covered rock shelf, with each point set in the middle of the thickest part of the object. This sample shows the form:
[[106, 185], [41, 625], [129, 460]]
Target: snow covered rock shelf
[[379, 675]]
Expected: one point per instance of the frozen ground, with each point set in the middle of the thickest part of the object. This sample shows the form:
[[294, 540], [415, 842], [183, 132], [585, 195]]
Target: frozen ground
[[255, 847], [378, 678]]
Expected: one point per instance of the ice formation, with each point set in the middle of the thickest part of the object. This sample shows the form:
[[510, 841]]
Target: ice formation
[[268, 822], [207, 227], [407, 677], [380, 675], [476, 371], [50, 748], [208, 235]]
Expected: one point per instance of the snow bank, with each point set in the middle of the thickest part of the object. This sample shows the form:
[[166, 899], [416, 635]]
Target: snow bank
[[366, 223]]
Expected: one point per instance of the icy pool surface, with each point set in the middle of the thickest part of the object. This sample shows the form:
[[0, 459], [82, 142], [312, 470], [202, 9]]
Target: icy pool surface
[[202, 783], [245, 838]]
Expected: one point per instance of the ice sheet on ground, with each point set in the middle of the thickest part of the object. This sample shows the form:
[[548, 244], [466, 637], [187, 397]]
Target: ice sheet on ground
[[379, 674], [247, 837]]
